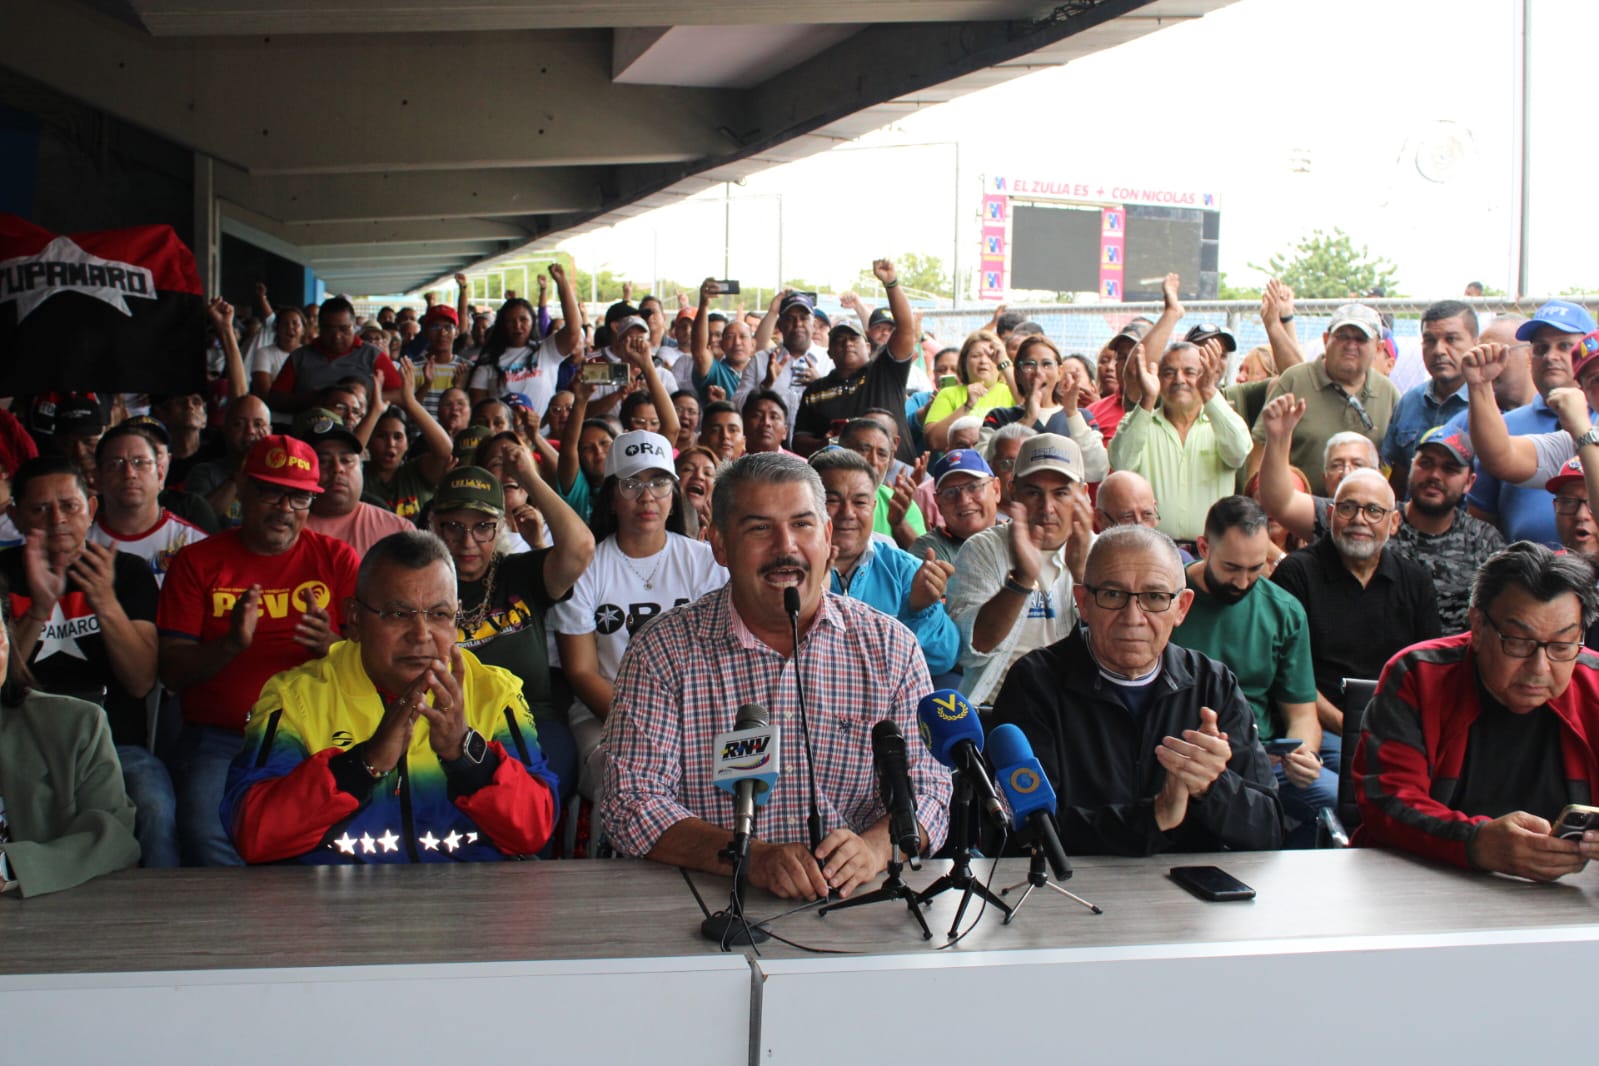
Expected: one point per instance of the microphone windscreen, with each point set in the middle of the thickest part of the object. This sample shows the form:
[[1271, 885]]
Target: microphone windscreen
[[1020, 775], [752, 716], [791, 600], [946, 718]]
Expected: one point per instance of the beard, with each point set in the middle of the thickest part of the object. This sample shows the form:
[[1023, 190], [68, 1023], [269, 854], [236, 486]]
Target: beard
[[1224, 593], [1354, 548]]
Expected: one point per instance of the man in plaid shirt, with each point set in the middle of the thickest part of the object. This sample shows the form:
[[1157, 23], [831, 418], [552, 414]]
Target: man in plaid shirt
[[685, 676]]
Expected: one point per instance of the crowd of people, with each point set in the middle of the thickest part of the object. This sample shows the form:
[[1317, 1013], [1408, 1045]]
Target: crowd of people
[[481, 584]]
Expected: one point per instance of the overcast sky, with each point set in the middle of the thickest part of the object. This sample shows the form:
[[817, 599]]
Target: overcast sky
[[1296, 115]]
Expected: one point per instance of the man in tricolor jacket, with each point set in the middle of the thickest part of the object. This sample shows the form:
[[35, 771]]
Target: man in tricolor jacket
[[396, 746]]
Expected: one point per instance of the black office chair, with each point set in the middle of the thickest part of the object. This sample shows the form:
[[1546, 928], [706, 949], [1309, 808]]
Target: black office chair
[[1357, 694]]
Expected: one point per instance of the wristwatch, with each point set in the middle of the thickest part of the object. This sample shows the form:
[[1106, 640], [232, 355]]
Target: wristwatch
[[473, 748], [1003, 364], [1590, 437]]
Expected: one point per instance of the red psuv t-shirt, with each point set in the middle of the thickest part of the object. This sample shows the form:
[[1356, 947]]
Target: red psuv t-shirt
[[207, 579]]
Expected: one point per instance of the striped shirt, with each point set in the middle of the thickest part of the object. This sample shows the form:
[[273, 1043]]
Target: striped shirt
[[682, 682]]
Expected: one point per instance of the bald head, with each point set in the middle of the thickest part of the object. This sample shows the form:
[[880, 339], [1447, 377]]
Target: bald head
[[1375, 486], [1125, 499]]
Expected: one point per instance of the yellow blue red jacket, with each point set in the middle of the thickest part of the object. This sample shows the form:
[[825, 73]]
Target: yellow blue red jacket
[[299, 789]]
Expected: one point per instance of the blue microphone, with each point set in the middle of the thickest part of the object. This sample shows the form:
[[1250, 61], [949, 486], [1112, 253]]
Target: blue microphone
[[1028, 791], [951, 731]]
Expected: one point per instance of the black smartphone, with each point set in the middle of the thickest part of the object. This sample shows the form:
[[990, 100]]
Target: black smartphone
[[1283, 745], [729, 286], [1574, 820], [1211, 883]]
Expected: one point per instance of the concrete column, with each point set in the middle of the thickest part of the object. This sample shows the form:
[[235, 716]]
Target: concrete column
[[207, 226]]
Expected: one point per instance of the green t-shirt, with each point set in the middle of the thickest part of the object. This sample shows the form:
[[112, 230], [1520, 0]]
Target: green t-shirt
[[1263, 638], [913, 517], [407, 493], [579, 497]]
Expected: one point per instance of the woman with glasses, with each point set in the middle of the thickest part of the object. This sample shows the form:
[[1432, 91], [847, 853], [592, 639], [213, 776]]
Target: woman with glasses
[[504, 598], [643, 565], [985, 383], [1048, 385]]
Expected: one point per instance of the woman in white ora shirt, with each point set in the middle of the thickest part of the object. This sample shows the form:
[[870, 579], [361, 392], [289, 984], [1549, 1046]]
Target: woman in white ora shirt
[[643, 565]]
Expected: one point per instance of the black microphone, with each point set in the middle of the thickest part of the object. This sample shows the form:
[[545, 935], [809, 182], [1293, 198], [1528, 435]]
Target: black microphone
[[791, 604], [892, 763]]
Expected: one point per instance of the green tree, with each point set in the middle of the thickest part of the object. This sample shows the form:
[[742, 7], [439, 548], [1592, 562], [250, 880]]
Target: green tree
[[923, 274], [1225, 291], [1329, 266]]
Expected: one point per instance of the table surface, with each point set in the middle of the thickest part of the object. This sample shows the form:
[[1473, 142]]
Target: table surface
[[142, 920]]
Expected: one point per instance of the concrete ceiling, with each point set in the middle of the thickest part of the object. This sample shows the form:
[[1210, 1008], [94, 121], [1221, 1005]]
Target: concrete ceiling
[[388, 144]]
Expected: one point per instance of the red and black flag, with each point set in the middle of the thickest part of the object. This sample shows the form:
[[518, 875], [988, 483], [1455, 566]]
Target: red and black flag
[[114, 311]]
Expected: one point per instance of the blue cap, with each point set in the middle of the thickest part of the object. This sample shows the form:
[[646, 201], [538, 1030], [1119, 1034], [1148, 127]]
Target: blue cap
[[960, 461], [1564, 315]]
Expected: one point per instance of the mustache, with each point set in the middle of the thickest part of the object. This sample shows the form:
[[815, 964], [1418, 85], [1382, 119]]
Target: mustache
[[787, 562]]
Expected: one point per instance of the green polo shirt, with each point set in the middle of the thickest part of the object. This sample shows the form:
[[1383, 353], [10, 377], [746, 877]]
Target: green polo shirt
[[1327, 413], [1263, 638]]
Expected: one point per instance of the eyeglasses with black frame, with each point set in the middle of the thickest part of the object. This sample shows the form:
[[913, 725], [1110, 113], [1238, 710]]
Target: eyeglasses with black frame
[[1558, 651], [1569, 505], [1374, 512], [1152, 601], [277, 496]]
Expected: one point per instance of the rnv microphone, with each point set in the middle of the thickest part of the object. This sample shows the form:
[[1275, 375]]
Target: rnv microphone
[[746, 764], [892, 763], [951, 731], [1028, 791]]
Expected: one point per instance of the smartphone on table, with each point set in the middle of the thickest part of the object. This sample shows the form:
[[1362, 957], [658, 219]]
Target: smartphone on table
[[1211, 883]]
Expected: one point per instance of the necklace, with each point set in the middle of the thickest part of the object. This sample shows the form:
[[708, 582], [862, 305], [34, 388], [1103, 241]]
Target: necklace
[[469, 622], [649, 579]]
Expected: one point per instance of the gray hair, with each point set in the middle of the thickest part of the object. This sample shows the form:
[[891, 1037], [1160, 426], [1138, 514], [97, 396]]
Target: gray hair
[[1539, 572], [413, 549], [1014, 431], [763, 468], [1349, 436], [836, 458], [1136, 538]]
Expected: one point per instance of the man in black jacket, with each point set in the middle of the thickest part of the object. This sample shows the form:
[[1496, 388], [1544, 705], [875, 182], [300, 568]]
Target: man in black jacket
[[1151, 747]]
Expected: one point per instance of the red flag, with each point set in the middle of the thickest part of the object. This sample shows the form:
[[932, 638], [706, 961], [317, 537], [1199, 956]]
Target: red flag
[[113, 311]]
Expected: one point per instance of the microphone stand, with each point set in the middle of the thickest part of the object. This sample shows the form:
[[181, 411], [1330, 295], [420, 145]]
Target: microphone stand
[[1038, 878], [893, 887], [791, 605], [730, 926], [960, 877]]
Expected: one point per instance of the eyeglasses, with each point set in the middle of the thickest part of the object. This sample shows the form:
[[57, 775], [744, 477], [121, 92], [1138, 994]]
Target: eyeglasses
[[275, 496], [1348, 509], [138, 464], [972, 489], [404, 616], [1356, 406], [1034, 364], [1152, 601], [1569, 505], [631, 488], [482, 532], [1134, 518], [1558, 651]]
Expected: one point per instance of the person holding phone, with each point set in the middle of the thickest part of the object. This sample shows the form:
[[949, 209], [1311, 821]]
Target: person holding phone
[[1475, 743], [1259, 630]]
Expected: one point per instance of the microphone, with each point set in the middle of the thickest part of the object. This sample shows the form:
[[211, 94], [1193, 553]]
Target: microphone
[[746, 764], [951, 731], [1027, 789], [791, 605], [890, 760]]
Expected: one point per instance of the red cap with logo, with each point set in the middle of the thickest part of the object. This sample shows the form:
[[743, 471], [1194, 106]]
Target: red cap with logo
[[280, 460]]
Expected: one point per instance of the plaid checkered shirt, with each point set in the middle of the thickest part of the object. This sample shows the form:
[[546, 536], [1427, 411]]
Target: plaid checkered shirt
[[685, 676]]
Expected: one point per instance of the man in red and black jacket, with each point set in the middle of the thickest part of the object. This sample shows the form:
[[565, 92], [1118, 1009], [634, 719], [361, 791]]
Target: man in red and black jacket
[[1474, 743]]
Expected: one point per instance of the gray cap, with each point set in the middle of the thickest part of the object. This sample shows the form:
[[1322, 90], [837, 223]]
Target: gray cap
[[1367, 320], [1050, 451]]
